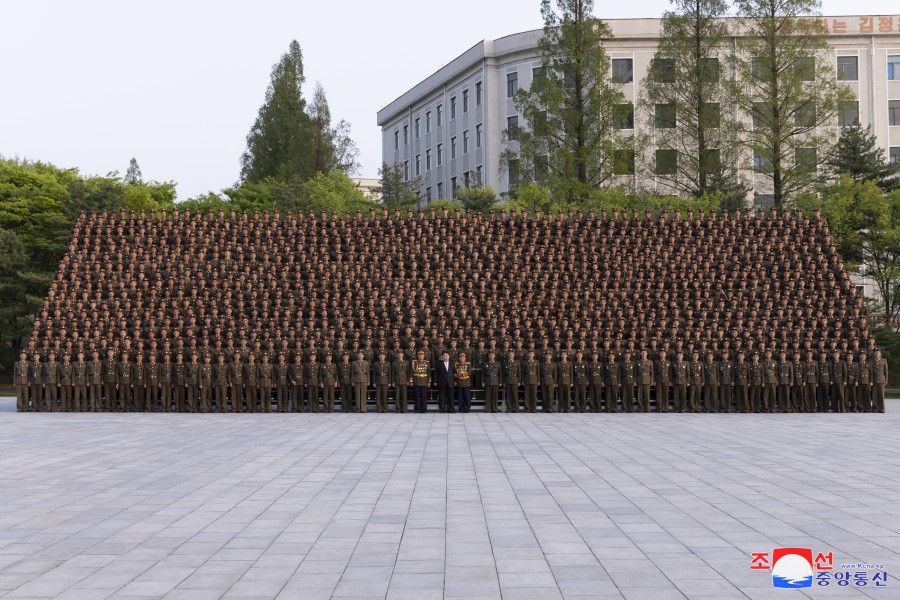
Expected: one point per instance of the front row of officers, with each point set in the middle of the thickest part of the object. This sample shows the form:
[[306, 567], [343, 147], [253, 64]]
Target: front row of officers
[[835, 383]]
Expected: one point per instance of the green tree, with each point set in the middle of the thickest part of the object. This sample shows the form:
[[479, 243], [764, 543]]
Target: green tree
[[278, 143], [571, 143], [858, 155], [689, 106], [396, 191], [477, 198], [331, 145], [785, 81], [133, 175]]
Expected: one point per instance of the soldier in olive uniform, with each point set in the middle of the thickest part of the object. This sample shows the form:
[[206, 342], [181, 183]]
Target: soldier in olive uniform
[[823, 390], [20, 380], [757, 380], [662, 376], [328, 381], [179, 378], [139, 383], [266, 384], [490, 376], [205, 382], [311, 381], [644, 378], [581, 380], [95, 382], [79, 384], [548, 383], [251, 384], [785, 382], [879, 379], [512, 377], [564, 381], [612, 382], [596, 374], [282, 384], [865, 383], [36, 384], [838, 381], [296, 379], [153, 385], [696, 381], [628, 380], [852, 389], [420, 381], [110, 366], [742, 384], [797, 389], [770, 383], [50, 382], [710, 384], [345, 381], [192, 384], [220, 383], [531, 378], [124, 386], [381, 376], [360, 375], [726, 381], [810, 379], [66, 377], [236, 383]]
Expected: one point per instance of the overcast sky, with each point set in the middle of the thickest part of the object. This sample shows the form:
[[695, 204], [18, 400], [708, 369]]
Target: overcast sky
[[177, 83]]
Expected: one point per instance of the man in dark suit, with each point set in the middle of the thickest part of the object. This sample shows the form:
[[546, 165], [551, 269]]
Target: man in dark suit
[[444, 376]]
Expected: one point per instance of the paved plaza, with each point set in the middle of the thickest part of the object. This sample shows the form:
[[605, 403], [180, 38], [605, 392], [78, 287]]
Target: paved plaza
[[424, 507]]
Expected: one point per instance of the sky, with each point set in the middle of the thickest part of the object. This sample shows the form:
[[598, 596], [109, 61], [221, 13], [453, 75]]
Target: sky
[[177, 83]]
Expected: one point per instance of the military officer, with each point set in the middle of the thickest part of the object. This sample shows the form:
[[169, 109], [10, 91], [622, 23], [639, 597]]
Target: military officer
[[296, 374], [596, 375], [662, 376], [838, 381], [696, 381], [251, 383], [360, 377], [726, 381], [644, 379], [328, 381], [420, 380], [20, 380], [629, 377], [612, 382], [564, 376], [810, 380], [220, 383], [345, 382], [581, 380], [124, 385], [710, 384], [95, 381], [66, 377], [153, 385], [865, 383], [511, 378], [205, 383], [179, 379], [490, 375], [282, 384], [311, 383], [531, 380], [381, 377], [79, 383], [785, 382], [879, 379], [757, 379], [742, 383], [266, 384], [166, 379]]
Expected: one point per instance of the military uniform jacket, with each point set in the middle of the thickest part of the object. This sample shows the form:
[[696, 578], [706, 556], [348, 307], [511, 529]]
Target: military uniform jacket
[[360, 372], [596, 373], [381, 372], [400, 372], [282, 374], [612, 373], [345, 373], [36, 373], [95, 372], [662, 372], [880, 369], [824, 372], [139, 374], [295, 374], [564, 373], [251, 374], [419, 372], [548, 373], [628, 372], [220, 374], [852, 373], [236, 373], [580, 373], [266, 375], [311, 374], [756, 373], [531, 372], [192, 373], [711, 373], [726, 372], [695, 371], [865, 373], [742, 373], [180, 374], [490, 373], [799, 373], [205, 375], [785, 373], [123, 373], [109, 371], [153, 374], [838, 372], [644, 368], [811, 371], [462, 373], [328, 375], [20, 372], [512, 373], [770, 372], [79, 376], [66, 373]]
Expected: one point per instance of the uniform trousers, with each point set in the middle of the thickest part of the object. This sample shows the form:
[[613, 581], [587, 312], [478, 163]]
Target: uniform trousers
[[530, 400], [328, 398], [381, 397], [79, 397], [643, 397], [420, 398], [547, 398], [360, 391], [491, 393], [512, 397], [565, 398]]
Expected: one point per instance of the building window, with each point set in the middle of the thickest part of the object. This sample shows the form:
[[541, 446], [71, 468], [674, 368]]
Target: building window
[[440, 190], [711, 160], [710, 115], [440, 114], [417, 129], [513, 172], [536, 73], [893, 112], [623, 70], [512, 84], [762, 163], [893, 68], [664, 70], [758, 68], [478, 136], [710, 69], [466, 179], [428, 122], [848, 68], [428, 194], [453, 188], [478, 171], [848, 113], [861, 291], [440, 154], [406, 170], [665, 116], [418, 164], [806, 160], [623, 116], [453, 148], [452, 108], [763, 201], [512, 128], [666, 161], [623, 162], [541, 167], [428, 159], [396, 140], [805, 116], [894, 155], [406, 135], [805, 68], [478, 90], [466, 141], [762, 115], [465, 95]]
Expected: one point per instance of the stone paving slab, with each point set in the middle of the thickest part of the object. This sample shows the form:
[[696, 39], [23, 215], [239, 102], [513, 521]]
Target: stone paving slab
[[422, 507]]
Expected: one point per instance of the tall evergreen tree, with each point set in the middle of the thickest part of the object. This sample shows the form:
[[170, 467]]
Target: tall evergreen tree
[[133, 175], [785, 81], [571, 142], [858, 155], [691, 110], [331, 145], [278, 143], [395, 191]]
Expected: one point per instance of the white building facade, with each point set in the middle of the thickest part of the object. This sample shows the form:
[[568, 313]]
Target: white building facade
[[448, 129]]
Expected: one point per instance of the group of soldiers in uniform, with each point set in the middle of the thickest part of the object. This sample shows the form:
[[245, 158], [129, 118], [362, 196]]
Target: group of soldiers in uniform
[[258, 312]]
